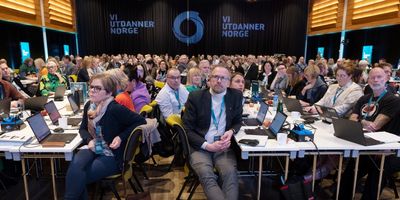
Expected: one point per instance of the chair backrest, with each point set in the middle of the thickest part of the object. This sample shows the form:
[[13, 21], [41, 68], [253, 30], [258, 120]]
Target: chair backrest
[[131, 149], [159, 84], [176, 123], [146, 111], [73, 77]]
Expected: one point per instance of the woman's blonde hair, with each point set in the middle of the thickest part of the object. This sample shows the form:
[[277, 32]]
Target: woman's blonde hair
[[119, 77], [191, 73], [312, 70]]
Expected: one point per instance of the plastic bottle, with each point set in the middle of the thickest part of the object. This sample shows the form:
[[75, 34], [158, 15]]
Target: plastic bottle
[[275, 102], [98, 145]]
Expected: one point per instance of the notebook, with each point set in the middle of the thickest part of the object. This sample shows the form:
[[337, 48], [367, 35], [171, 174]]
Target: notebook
[[43, 133], [59, 94], [262, 112], [54, 115], [352, 131], [272, 130]]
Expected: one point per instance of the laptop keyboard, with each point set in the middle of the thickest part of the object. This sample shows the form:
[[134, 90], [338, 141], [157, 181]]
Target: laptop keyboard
[[67, 137], [260, 131], [370, 141]]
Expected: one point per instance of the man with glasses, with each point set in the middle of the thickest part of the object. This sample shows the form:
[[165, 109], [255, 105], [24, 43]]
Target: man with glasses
[[211, 118], [7, 90], [172, 97]]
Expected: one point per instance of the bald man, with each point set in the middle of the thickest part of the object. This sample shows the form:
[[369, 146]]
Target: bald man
[[378, 111]]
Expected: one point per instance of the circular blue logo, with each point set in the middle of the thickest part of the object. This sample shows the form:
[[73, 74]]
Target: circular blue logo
[[194, 17]]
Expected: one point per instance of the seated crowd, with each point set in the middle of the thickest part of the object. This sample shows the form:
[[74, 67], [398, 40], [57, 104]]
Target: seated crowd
[[207, 91]]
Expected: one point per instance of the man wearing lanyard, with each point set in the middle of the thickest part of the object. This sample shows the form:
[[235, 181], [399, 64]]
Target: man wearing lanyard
[[343, 95], [378, 111], [211, 118], [173, 95]]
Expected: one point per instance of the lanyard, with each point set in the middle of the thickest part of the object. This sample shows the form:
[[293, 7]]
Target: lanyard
[[339, 91], [214, 119], [376, 102], [176, 92]]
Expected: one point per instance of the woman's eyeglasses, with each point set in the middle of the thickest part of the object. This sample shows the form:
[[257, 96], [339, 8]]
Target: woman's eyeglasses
[[95, 88]]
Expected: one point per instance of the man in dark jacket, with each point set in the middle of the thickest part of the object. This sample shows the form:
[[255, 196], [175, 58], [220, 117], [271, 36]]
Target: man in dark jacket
[[211, 118]]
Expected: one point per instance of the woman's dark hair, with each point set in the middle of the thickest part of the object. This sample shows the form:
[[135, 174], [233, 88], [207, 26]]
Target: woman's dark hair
[[270, 63], [131, 72], [166, 65]]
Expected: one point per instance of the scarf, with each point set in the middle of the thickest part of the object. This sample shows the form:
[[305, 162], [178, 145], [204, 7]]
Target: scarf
[[95, 113]]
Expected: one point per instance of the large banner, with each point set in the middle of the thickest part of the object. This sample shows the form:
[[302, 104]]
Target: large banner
[[191, 27]]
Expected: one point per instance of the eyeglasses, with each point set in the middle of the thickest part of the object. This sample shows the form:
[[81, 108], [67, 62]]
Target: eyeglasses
[[175, 78], [95, 88], [220, 78]]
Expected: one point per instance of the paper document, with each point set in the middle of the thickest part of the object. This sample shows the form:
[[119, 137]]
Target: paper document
[[383, 136]]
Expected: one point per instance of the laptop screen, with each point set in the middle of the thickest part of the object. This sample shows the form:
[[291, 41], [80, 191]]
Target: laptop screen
[[262, 112], [74, 106], [277, 122], [38, 126], [52, 111], [60, 91]]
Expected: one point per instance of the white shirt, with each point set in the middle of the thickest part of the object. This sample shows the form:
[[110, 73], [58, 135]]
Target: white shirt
[[216, 102], [344, 100], [168, 102]]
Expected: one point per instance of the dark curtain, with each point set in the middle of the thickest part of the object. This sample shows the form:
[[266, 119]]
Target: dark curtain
[[385, 42], [330, 42], [285, 26], [56, 41], [12, 34]]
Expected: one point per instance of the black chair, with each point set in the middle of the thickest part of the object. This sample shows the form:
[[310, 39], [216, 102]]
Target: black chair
[[191, 180], [127, 173]]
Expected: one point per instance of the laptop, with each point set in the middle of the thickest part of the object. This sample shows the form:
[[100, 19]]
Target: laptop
[[43, 133], [272, 130], [5, 107], [260, 116], [74, 106], [36, 103], [326, 113], [352, 131], [54, 115], [294, 105], [59, 94]]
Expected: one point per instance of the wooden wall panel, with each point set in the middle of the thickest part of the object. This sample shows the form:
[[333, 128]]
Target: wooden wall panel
[[325, 16], [372, 13], [360, 14], [60, 15], [21, 11]]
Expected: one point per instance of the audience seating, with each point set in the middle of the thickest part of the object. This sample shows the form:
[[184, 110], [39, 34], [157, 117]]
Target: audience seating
[[131, 149]]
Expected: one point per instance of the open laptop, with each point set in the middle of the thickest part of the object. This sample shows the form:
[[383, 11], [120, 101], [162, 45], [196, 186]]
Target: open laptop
[[5, 107], [272, 130], [294, 105], [43, 133], [36, 103], [74, 106], [59, 94], [352, 131], [326, 113], [260, 116], [54, 115]]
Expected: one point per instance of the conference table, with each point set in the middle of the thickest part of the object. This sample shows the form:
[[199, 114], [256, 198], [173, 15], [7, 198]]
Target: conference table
[[325, 144], [32, 149]]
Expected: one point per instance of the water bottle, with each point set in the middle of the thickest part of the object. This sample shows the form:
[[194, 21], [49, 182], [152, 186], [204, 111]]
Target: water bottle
[[275, 102]]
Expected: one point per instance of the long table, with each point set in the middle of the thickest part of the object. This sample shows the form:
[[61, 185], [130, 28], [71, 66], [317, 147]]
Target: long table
[[326, 142], [32, 149]]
